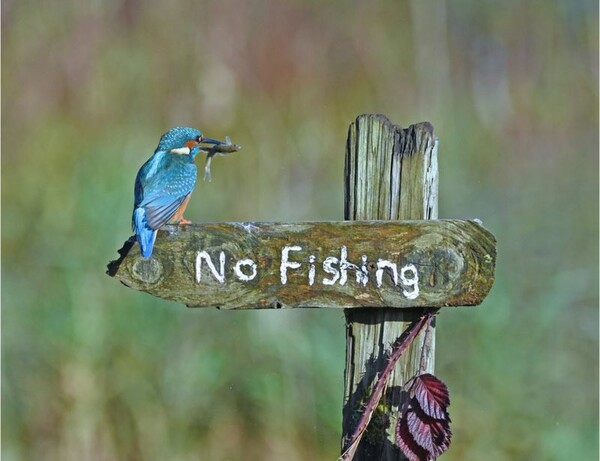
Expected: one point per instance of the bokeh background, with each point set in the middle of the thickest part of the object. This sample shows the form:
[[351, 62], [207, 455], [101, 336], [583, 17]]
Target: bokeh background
[[94, 371]]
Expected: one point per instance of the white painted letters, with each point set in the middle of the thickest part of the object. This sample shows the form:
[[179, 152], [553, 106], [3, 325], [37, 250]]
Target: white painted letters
[[219, 275], [382, 264], [238, 270], [311, 270], [406, 278], [285, 263], [345, 265], [362, 275], [413, 281], [328, 267]]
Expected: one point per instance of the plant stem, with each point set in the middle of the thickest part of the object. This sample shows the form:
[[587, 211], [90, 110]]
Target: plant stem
[[423, 352]]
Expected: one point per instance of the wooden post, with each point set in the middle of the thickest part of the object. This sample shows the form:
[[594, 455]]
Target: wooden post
[[391, 173]]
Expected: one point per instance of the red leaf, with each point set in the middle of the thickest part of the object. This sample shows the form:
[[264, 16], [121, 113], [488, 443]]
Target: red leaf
[[410, 448], [423, 432], [432, 395], [431, 434]]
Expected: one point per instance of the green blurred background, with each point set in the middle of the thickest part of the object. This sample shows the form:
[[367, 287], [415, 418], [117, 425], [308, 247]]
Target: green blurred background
[[94, 371]]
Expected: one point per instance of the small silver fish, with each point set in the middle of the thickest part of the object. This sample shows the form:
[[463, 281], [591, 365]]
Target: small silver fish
[[218, 149]]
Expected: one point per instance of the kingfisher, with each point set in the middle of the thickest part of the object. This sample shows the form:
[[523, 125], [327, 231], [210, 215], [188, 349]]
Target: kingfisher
[[164, 184]]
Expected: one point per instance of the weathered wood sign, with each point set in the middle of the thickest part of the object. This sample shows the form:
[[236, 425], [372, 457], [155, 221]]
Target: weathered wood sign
[[317, 264]]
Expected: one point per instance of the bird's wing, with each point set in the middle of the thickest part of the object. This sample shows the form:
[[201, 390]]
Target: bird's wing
[[163, 192], [158, 215]]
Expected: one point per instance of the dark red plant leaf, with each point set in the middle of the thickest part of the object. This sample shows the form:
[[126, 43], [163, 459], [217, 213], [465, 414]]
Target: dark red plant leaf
[[432, 395], [431, 434], [423, 432], [410, 448]]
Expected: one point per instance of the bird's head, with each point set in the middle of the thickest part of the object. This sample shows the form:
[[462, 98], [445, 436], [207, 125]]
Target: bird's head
[[184, 140]]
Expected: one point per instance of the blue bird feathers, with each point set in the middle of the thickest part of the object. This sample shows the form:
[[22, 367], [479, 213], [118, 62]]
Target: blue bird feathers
[[165, 182]]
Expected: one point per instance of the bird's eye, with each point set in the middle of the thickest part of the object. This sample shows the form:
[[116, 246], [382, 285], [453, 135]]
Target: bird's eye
[[199, 139]]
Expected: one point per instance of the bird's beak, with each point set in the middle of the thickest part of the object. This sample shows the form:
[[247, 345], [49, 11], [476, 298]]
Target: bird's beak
[[214, 142]]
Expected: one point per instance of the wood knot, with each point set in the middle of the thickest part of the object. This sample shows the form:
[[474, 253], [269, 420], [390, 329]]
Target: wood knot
[[147, 270]]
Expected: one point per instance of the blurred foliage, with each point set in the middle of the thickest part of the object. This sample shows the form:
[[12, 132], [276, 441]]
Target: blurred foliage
[[94, 371]]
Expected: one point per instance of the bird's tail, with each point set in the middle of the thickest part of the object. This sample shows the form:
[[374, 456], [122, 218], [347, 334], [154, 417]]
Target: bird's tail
[[145, 235]]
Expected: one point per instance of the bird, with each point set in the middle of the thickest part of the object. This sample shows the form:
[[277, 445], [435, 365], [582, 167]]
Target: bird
[[164, 184]]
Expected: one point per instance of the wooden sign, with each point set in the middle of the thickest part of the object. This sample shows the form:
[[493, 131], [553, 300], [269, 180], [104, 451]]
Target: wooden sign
[[391, 174], [346, 264]]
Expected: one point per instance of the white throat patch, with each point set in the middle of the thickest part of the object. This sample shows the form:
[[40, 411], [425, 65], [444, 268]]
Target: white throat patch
[[181, 151]]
